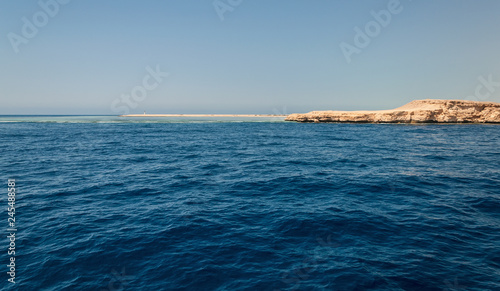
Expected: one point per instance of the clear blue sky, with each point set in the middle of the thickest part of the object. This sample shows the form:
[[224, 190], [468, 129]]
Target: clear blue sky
[[262, 57]]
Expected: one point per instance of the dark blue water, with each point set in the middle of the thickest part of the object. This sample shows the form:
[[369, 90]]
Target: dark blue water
[[253, 206]]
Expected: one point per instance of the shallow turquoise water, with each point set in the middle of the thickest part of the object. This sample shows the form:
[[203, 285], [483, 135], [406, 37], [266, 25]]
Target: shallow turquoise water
[[117, 119]]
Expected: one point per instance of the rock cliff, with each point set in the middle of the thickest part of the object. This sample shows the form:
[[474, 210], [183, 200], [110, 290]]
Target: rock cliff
[[418, 111]]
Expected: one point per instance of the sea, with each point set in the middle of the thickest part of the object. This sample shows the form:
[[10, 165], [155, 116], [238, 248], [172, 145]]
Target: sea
[[111, 203]]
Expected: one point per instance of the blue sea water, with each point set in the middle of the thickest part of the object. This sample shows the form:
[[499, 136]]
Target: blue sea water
[[181, 204]]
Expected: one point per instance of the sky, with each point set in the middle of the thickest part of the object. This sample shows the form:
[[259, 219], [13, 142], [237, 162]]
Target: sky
[[107, 57]]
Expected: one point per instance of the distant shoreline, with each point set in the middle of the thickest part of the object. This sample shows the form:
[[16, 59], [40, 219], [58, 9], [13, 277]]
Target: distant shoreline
[[417, 111], [201, 115]]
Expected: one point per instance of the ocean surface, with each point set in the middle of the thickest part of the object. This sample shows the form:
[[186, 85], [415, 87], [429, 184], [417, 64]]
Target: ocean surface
[[108, 203]]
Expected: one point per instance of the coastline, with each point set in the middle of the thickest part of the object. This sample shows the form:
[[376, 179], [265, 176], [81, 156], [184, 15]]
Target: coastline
[[202, 115], [417, 111]]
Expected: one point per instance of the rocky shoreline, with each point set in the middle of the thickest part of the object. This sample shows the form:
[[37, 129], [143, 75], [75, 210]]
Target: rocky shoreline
[[418, 111]]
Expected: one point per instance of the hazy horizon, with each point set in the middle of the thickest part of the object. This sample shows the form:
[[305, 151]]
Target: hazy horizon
[[243, 57]]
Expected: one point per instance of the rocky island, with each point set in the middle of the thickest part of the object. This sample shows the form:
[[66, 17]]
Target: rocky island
[[418, 111]]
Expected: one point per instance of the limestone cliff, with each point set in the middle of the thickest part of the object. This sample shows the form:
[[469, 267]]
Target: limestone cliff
[[418, 111]]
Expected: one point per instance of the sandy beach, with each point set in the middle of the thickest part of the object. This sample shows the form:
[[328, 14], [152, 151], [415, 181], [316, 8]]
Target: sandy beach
[[202, 115]]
